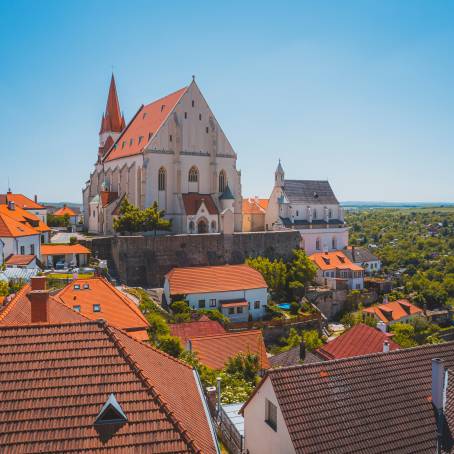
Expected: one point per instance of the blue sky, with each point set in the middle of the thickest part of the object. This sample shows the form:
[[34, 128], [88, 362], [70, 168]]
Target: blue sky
[[357, 92]]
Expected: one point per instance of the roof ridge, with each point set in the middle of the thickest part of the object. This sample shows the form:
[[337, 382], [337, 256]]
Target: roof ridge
[[159, 399], [48, 325], [368, 355], [229, 333], [166, 96]]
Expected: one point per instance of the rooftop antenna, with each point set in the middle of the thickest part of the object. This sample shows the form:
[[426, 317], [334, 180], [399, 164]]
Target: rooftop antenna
[[193, 78], [9, 186]]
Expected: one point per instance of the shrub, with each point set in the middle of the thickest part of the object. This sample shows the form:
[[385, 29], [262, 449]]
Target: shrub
[[158, 327], [294, 308], [214, 314], [171, 345], [180, 307], [312, 340]]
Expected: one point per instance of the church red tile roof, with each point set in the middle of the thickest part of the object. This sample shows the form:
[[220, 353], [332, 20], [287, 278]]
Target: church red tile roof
[[206, 279], [11, 228], [108, 197], [334, 260], [145, 124], [55, 378], [115, 307], [393, 311], [20, 201], [358, 340], [193, 201], [215, 351], [200, 328]]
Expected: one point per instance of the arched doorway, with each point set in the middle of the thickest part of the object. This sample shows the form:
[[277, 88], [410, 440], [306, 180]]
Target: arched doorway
[[202, 226]]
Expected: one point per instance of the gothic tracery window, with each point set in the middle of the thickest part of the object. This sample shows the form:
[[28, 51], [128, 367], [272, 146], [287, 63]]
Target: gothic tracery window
[[162, 179], [222, 181], [193, 174]]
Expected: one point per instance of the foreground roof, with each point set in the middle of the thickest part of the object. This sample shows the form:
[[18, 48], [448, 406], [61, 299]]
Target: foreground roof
[[62, 249], [378, 403], [205, 279], [394, 310], [21, 201], [10, 228], [292, 357], [199, 328], [114, 306], [144, 125], [309, 191], [25, 217], [334, 260], [54, 380], [359, 340], [19, 260], [215, 351]]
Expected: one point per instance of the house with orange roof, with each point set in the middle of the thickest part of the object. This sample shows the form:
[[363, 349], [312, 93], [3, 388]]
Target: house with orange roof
[[400, 311], [67, 211], [21, 261], [69, 255], [215, 351], [174, 152], [17, 238], [196, 328], [24, 202], [335, 267], [97, 298], [254, 211], [238, 291]]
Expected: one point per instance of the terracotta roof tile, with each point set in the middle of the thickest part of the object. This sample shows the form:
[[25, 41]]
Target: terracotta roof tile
[[378, 403], [207, 279], [252, 206], [108, 197], [11, 228], [193, 201], [199, 328], [358, 340], [394, 310], [20, 201], [112, 120], [146, 121], [215, 351], [115, 307], [64, 211], [25, 217], [54, 380], [62, 249], [334, 260], [19, 259]]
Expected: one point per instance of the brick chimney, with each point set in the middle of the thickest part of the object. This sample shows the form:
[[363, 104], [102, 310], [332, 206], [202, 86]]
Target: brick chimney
[[211, 394], [39, 300], [302, 351]]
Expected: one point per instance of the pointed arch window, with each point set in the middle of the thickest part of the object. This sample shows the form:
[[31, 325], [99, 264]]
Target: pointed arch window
[[222, 181], [334, 242], [317, 244], [193, 174], [162, 179]]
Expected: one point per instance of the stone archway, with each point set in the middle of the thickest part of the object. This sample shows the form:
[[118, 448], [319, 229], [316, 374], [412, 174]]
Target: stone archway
[[202, 226]]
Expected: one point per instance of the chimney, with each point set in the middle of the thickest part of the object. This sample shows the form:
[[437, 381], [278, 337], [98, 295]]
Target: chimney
[[211, 393], [302, 351], [353, 254], [382, 326], [438, 382], [36, 198], [39, 300], [11, 205], [189, 345], [386, 346]]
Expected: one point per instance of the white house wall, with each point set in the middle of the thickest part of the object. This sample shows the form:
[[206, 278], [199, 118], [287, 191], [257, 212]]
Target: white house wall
[[259, 437], [13, 245]]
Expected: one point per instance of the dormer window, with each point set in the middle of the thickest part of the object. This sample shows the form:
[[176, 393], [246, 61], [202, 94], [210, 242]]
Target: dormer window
[[163, 107], [96, 308], [76, 308], [86, 286], [144, 115], [111, 412], [76, 287], [131, 141], [140, 139], [123, 144], [150, 135]]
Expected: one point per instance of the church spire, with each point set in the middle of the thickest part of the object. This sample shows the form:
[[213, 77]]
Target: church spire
[[279, 175], [112, 120]]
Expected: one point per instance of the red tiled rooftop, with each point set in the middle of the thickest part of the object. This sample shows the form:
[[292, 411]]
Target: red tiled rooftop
[[200, 328], [64, 211], [254, 206], [358, 340], [62, 249], [20, 201], [394, 310], [215, 351], [108, 197], [25, 217], [193, 201], [19, 260], [55, 378], [116, 308], [206, 279], [146, 121], [11, 228], [334, 260]]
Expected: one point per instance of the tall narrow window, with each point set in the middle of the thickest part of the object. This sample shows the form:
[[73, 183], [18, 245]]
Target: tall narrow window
[[222, 181], [271, 414], [317, 244], [162, 179], [334, 242], [193, 174]]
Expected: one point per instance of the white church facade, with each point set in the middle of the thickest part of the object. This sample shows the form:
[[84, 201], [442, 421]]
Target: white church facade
[[174, 152], [310, 207]]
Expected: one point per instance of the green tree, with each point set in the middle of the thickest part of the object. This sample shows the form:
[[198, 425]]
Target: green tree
[[312, 340], [170, 345], [403, 334], [4, 288], [245, 365], [301, 271], [153, 219], [158, 327]]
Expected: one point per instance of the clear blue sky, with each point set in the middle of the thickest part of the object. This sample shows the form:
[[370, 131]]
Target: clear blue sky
[[357, 92]]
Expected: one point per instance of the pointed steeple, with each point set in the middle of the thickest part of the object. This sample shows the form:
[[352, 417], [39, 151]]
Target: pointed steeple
[[113, 120], [279, 175]]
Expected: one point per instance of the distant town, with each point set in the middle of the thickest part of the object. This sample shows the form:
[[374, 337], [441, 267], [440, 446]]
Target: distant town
[[169, 312]]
